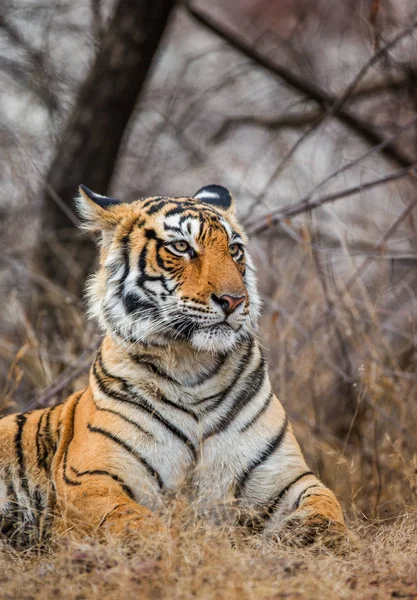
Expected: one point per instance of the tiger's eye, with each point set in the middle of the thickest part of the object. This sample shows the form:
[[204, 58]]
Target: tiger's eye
[[234, 249], [181, 246]]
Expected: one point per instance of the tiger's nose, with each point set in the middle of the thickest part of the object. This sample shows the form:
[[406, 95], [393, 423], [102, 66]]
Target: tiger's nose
[[228, 303]]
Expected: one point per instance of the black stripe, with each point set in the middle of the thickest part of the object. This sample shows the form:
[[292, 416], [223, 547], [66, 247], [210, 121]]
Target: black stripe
[[255, 381], [123, 382], [188, 208], [220, 397], [125, 242], [142, 259], [298, 502], [150, 201], [133, 303], [115, 478], [143, 360], [109, 514], [205, 377], [179, 407], [65, 459], [270, 449], [141, 403], [114, 438], [144, 405], [159, 202], [173, 228], [125, 255], [48, 434], [38, 503], [258, 413], [49, 443], [46, 518], [143, 275], [124, 418], [18, 441], [155, 207], [272, 505], [104, 388], [161, 262], [40, 451]]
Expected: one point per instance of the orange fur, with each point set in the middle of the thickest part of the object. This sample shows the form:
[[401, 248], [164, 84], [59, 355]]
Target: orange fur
[[159, 415]]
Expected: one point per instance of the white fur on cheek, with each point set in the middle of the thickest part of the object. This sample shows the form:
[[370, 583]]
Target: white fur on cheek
[[252, 288]]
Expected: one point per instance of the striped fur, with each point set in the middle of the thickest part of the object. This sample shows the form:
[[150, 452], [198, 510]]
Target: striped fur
[[179, 399]]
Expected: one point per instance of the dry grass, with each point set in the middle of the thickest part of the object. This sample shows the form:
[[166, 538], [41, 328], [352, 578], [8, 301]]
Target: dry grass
[[359, 436], [197, 561]]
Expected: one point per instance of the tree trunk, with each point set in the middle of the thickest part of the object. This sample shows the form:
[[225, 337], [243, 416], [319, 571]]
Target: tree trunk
[[91, 139]]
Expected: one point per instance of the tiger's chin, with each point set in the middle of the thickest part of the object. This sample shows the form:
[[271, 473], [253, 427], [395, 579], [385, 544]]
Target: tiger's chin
[[218, 338]]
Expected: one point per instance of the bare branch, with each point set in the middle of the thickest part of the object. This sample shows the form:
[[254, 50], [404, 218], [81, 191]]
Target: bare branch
[[92, 137], [296, 120], [302, 207], [286, 121], [41, 67], [326, 100], [64, 380], [259, 225], [376, 250]]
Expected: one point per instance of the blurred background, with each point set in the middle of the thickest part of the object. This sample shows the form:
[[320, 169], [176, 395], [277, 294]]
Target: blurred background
[[307, 112]]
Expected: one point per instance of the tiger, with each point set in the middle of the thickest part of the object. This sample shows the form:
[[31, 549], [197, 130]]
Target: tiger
[[179, 400]]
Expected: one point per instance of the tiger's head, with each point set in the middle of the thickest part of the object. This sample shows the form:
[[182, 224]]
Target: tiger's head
[[172, 269]]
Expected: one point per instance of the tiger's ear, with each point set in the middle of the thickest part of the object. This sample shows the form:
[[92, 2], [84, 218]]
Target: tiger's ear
[[217, 196], [96, 211]]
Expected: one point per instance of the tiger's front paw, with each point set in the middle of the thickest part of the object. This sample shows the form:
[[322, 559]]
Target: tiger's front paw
[[318, 530]]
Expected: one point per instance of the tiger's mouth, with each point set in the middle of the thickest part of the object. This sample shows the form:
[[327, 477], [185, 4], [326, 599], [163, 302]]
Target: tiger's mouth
[[223, 326], [188, 327]]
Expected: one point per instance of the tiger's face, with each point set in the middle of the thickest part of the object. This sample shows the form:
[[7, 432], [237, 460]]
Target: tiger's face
[[172, 269]]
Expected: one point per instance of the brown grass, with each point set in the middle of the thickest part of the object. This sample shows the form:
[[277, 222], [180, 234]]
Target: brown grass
[[359, 437], [198, 561]]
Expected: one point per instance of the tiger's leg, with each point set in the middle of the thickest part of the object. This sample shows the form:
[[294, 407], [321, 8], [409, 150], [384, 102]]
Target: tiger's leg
[[302, 510], [311, 513], [88, 473], [100, 507]]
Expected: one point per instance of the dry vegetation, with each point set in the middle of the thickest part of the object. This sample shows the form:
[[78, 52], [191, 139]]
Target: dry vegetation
[[199, 561], [339, 284], [367, 455]]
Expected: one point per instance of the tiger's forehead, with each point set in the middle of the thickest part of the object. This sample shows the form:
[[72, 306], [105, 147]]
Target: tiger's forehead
[[188, 217]]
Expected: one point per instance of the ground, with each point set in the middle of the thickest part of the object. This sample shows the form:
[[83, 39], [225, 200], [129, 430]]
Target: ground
[[196, 561]]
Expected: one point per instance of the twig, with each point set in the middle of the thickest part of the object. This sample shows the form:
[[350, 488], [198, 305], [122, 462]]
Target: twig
[[55, 197], [286, 121], [303, 206], [40, 65], [64, 380], [378, 248], [326, 100], [374, 59], [296, 120], [43, 281]]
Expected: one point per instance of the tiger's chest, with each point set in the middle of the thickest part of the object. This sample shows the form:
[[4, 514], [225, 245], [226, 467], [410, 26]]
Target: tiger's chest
[[204, 468], [198, 440]]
